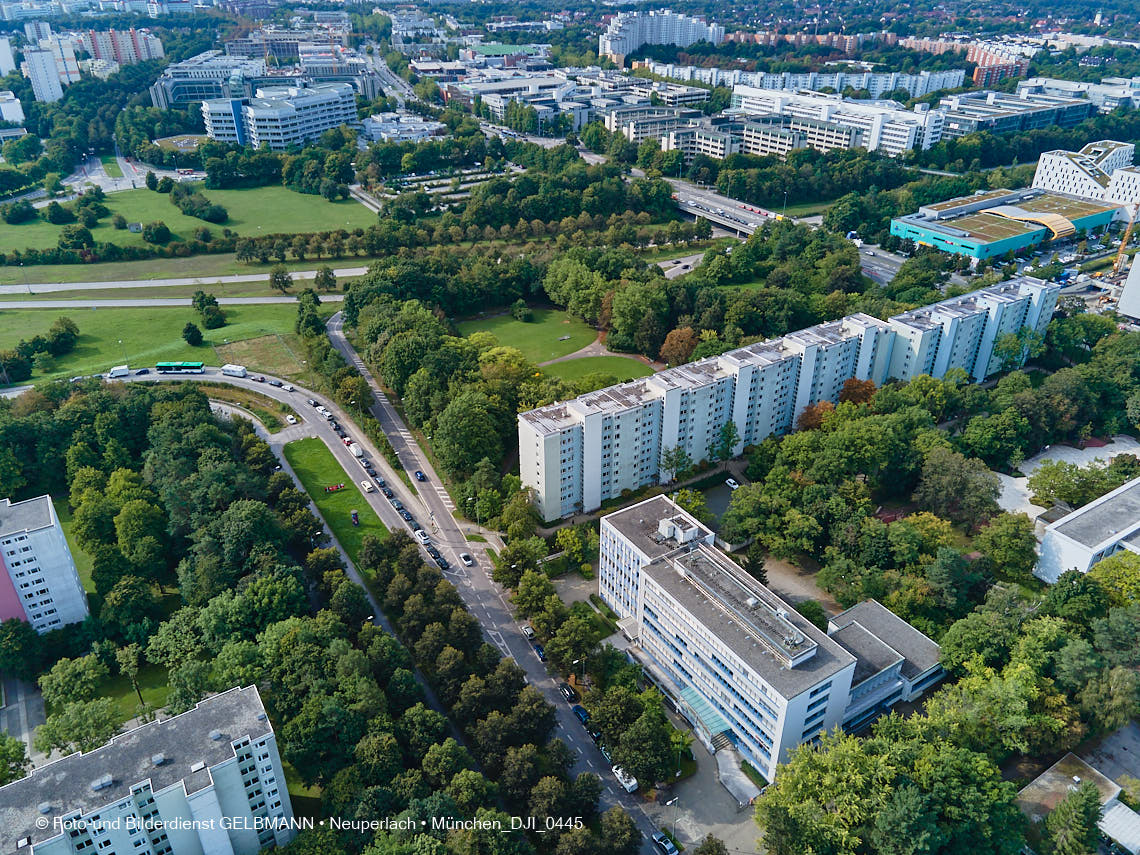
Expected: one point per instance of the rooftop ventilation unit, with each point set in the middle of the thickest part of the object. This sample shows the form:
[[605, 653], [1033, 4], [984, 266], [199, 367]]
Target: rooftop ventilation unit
[[44, 807], [158, 759], [215, 735], [199, 766], [102, 783]]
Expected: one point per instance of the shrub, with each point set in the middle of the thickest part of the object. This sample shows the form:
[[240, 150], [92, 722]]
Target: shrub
[[156, 232]]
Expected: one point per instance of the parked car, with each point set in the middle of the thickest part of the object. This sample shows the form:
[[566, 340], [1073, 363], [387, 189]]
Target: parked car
[[291, 420], [627, 781], [442, 562], [276, 383], [605, 752], [259, 379], [540, 652], [527, 631], [467, 560], [433, 552], [290, 388], [732, 483], [142, 371], [310, 402], [422, 537], [420, 476], [595, 734], [407, 517], [581, 713], [664, 844], [568, 692], [367, 486], [397, 504], [380, 482], [387, 493]]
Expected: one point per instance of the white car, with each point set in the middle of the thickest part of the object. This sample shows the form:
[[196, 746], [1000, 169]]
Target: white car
[[422, 537], [627, 781], [367, 487], [291, 420], [732, 483]]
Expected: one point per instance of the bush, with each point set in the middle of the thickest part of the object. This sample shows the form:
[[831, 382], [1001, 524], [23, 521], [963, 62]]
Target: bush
[[75, 237], [520, 311], [192, 334], [17, 212], [213, 317], [156, 232], [57, 215], [194, 204], [88, 217], [165, 185], [119, 221]]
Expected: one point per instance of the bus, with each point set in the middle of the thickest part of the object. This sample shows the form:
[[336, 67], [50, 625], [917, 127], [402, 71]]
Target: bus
[[180, 368]]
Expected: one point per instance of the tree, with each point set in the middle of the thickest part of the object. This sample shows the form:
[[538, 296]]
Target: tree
[[726, 441], [956, 487], [755, 562], [694, 502], [72, 680], [679, 346], [75, 237], [14, 762], [813, 611], [645, 749], [325, 279], [191, 334], [21, 649], [711, 846], [82, 726], [127, 659], [1072, 824], [280, 279], [466, 432], [533, 589], [156, 232], [151, 181], [1009, 542], [675, 460], [1119, 573]]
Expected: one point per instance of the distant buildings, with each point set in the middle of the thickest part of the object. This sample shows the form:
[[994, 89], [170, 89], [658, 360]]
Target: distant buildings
[[125, 47], [989, 225], [280, 117], [284, 43], [207, 781], [739, 662], [10, 108], [39, 583], [399, 127], [7, 60], [628, 31], [40, 69], [995, 60], [1110, 93], [1101, 171], [62, 50], [577, 454], [1080, 539], [1000, 113]]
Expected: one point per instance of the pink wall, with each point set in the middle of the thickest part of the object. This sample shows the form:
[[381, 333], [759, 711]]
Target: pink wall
[[10, 605]]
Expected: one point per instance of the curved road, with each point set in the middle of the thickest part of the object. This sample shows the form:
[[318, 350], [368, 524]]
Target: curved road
[[49, 287]]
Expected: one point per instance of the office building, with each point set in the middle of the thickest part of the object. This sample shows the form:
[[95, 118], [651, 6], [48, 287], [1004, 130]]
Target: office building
[[10, 108], [1110, 93], [39, 583], [884, 126], [207, 781], [7, 59], [877, 84], [577, 454], [992, 224], [639, 122], [1001, 113], [1080, 539], [628, 31], [1101, 171], [1128, 303], [283, 44], [125, 47], [208, 75], [738, 661], [280, 117], [398, 127], [40, 69], [708, 140], [780, 135]]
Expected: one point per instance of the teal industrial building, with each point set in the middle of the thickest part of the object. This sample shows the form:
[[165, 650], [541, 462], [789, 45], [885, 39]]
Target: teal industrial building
[[989, 225]]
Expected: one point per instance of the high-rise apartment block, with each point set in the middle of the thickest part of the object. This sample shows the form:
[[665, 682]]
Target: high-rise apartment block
[[7, 59], [38, 580], [63, 52], [206, 782], [738, 661], [577, 454], [628, 31], [125, 47], [10, 108], [40, 69]]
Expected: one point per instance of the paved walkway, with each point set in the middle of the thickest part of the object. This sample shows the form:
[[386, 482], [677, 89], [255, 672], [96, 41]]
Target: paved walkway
[[49, 287], [598, 348], [22, 713]]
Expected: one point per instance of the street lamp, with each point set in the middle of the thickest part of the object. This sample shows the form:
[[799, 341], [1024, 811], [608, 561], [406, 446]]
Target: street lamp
[[583, 661], [673, 801]]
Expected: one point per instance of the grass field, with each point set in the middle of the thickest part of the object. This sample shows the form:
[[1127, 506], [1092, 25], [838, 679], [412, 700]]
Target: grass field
[[539, 339], [277, 353], [317, 469], [148, 335], [82, 560], [269, 411], [255, 211], [621, 367], [668, 253], [111, 165]]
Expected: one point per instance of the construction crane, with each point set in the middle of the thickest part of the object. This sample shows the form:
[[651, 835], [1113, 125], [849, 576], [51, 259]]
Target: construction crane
[[1116, 265]]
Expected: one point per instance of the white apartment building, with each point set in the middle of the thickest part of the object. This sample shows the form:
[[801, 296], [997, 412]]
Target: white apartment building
[[63, 52], [7, 59], [206, 782], [39, 583], [628, 31], [739, 662], [40, 69], [10, 108], [1101, 170], [884, 126], [1080, 539], [577, 454], [125, 47], [280, 117]]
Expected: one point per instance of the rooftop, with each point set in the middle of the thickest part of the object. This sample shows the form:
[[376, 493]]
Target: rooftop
[[871, 654], [1107, 518], [65, 786], [1045, 791], [640, 524], [28, 515], [919, 652]]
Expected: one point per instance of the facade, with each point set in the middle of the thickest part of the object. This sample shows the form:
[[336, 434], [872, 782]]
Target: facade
[[1080, 539], [10, 108], [283, 43], [124, 47], [1110, 93], [280, 117], [628, 31], [577, 454], [39, 583], [998, 222], [200, 78], [709, 141], [40, 69], [639, 122], [7, 60], [36, 30], [783, 134], [884, 126], [207, 781], [1101, 170], [1129, 302], [1000, 113], [739, 662], [876, 83], [63, 52]]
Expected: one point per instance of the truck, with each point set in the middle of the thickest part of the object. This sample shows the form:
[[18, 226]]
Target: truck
[[119, 371], [231, 370]]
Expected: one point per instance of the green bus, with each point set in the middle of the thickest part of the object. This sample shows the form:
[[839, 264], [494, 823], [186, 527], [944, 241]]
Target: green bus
[[180, 368]]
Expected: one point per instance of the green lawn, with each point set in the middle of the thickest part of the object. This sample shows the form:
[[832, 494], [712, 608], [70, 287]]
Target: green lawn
[[83, 562], [538, 340], [255, 211], [152, 682], [621, 367], [111, 165], [148, 335], [317, 469], [668, 253], [804, 209]]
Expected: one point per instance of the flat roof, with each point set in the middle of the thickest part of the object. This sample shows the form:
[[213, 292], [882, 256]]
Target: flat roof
[[639, 523], [1045, 792], [1112, 515], [919, 652], [872, 655], [28, 515], [183, 741], [759, 627]]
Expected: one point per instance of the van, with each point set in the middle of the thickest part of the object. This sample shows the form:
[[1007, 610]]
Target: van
[[119, 371], [356, 450], [231, 370]]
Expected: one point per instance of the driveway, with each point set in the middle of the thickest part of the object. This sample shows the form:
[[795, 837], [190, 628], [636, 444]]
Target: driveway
[[1015, 492], [22, 713]]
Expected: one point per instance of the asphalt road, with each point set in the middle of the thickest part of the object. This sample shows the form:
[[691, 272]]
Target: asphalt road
[[50, 287], [153, 302]]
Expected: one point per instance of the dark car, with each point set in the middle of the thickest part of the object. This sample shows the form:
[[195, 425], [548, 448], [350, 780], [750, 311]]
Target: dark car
[[380, 482], [568, 692], [540, 652], [442, 562], [387, 493], [397, 504], [580, 712], [595, 734], [276, 383], [420, 476], [310, 402], [142, 371], [433, 552], [259, 379], [407, 517]]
